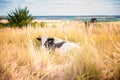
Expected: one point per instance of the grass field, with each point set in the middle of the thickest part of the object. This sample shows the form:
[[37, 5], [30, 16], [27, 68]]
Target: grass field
[[22, 59]]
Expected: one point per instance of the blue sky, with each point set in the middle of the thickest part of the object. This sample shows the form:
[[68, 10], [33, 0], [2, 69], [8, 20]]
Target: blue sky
[[63, 7]]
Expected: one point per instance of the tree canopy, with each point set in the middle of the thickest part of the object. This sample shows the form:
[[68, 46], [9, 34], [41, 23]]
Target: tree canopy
[[19, 17]]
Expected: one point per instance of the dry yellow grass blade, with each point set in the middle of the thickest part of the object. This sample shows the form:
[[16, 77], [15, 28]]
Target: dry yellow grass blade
[[22, 59]]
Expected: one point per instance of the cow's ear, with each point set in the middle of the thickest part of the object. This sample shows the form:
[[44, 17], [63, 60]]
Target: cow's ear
[[39, 38]]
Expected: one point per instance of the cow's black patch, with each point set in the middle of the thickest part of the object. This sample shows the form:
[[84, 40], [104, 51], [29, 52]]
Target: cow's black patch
[[49, 43], [58, 45]]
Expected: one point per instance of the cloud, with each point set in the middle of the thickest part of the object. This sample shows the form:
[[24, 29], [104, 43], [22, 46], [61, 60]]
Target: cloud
[[63, 7], [76, 7]]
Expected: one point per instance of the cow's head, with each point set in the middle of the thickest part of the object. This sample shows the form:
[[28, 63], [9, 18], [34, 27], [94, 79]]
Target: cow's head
[[47, 42]]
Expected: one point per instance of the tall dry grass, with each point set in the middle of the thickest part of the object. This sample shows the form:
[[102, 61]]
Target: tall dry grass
[[22, 59]]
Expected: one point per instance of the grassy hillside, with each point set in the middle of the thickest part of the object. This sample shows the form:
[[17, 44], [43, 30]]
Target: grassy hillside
[[22, 59]]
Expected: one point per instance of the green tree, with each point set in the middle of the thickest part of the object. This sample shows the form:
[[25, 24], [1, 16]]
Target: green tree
[[19, 17]]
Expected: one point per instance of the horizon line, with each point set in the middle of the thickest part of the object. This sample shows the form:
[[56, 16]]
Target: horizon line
[[72, 15]]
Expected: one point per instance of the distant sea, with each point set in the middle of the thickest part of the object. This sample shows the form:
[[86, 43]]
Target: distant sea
[[80, 18], [100, 18]]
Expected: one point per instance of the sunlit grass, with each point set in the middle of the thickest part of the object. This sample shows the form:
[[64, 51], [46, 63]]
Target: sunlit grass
[[99, 59]]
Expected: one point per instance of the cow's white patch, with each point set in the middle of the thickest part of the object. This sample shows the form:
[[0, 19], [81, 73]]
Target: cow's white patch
[[43, 40], [67, 47]]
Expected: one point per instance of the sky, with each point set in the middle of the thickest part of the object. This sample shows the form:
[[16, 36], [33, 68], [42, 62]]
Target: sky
[[63, 7]]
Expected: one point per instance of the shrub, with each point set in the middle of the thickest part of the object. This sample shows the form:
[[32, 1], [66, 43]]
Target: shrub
[[19, 17], [42, 24], [34, 24], [3, 25]]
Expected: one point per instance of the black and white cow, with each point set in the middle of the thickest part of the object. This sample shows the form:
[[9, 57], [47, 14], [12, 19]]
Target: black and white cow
[[56, 44]]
